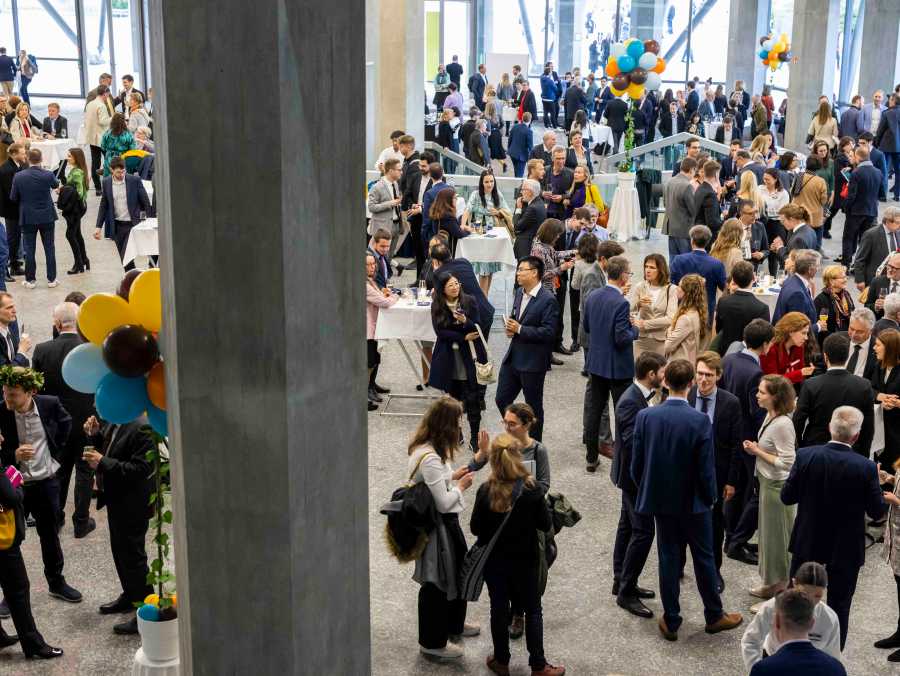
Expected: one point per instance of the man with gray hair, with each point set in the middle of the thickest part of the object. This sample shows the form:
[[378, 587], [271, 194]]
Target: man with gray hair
[[886, 283], [544, 150], [799, 289], [834, 489], [48, 359], [530, 213], [862, 360], [891, 318], [874, 246]]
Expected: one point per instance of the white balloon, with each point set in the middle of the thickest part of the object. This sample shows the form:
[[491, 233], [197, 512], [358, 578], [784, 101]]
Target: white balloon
[[768, 44], [654, 81], [647, 60], [616, 49]]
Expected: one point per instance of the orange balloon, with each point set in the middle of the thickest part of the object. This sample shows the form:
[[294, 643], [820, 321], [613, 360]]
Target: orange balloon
[[612, 68], [660, 65], [156, 385]]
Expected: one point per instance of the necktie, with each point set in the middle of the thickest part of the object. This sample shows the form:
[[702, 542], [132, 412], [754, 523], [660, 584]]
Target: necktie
[[894, 244], [854, 358], [895, 287], [650, 396], [704, 407], [384, 269], [396, 209], [10, 348]]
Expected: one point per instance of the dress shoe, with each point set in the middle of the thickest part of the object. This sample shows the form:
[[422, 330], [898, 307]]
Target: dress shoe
[[615, 588], [47, 652], [826, 235], [7, 640], [642, 593], [556, 361], [120, 605], [379, 389], [4, 610], [372, 406], [592, 467], [549, 670], [451, 651], [574, 347], [87, 264], [84, 531], [724, 623], [374, 396], [126, 628], [65, 592], [744, 555], [75, 270], [753, 547], [664, 630], [560, 349], [607, 451], [633, 605], [496, 667], [766, 592], [517, 626], [894, 656], [892, 641]]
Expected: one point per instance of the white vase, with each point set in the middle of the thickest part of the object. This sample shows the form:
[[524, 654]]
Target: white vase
[[626, 179], [159, 640]]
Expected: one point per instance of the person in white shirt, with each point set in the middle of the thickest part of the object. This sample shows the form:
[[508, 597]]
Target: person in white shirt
[[760, 639], [862, 361], [392, 150]]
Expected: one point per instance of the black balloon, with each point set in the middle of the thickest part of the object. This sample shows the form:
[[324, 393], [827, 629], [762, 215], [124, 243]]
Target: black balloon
[[638, 75], [130, 351], [763, 39], [127, 281], [651, 46], [621, 81], [784, 56]]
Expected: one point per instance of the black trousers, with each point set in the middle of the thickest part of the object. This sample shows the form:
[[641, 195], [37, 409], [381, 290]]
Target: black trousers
[[121, 233], [601, 388], [743, 508], [439, 617], [96, 161], [561, 294], [634, 539], [574, 312], [718, 527], [418, 245], [504, 580], [469, 395], [42, 502], [511, 381], [13, 240], [76, 241], [841, 587], [70, 460], [854, 227], [14, 582], [127, 535], [774, 229]]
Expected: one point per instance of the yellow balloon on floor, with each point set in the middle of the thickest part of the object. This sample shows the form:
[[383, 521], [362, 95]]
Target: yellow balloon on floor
[[145, 299], [100, 313]]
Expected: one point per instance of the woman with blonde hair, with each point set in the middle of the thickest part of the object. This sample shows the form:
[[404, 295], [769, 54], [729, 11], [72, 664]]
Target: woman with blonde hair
[[761, 145], [655, 300], [823, 127], [748, 191], [583, 193], [21, 127], [834, 300], [727, 247], [687, 334], [512, 504], [792, 350]]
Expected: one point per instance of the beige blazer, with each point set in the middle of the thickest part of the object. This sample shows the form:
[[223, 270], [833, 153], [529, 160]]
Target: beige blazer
[[813, 196], [658, 316], [683, 340], [17, 131], [96, 121]]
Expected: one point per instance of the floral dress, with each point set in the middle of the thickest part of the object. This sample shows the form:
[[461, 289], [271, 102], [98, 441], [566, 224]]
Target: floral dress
[[478, 213]]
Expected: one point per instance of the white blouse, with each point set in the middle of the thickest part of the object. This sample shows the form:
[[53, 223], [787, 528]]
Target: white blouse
[[438, 476], [777, 437]]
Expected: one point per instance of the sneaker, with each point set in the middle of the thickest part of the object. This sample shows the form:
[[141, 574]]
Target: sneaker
[[53, 284], [64, 592], [469, 630], [724, 623], [451, 651], [29, 285]]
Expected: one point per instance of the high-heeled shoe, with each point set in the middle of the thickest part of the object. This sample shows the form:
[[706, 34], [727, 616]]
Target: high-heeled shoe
[[87, 264], [75, 270]]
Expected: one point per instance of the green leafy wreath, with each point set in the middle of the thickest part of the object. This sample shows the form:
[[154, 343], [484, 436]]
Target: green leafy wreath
[[19, 376]]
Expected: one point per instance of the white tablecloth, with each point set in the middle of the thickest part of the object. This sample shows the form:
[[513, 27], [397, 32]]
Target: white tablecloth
[[767, 296], [601, 134], [143, 241], [625, 212], [405, 321], [483, 249], [53, 150], [148, 186], [710, 128]]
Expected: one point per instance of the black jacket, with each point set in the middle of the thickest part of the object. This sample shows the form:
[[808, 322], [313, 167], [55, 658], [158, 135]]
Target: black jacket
[[733, 313], [526, 226], [629, 405], [539, 152], [574, 100], [518, 540], [741, 374], [12, 498], [48, 359], [62, 125], [706, 207], [124, 471], [409, 181], [877, 284], [727, 437], [665, 123], [720, 134], [57, 424], [9, 208], [873, 249], [530, 104], [615, 112], [821, 395]]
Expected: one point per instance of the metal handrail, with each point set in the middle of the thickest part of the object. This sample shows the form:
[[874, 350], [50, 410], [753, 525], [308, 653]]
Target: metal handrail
[[668, 141], [474, 167]]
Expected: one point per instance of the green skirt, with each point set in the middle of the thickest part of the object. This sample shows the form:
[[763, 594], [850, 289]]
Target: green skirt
[[776, 521]]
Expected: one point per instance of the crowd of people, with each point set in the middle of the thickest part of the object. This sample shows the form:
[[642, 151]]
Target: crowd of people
[[734, 420]]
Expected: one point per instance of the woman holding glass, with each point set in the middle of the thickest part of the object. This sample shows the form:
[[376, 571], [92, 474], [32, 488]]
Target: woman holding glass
[[655, 301], [686, 335], [834, 301]]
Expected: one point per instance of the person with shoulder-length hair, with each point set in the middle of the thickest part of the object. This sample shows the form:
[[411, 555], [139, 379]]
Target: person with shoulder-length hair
[[454, 316], [72, 203], [727, 247], [375, 300], [543, 247], [137, 116], [775, 451], [116, 141], [21, 127], [512, 502], [442, 616], [792, 348], [823, 127], [886, 383], [443, 217], [487, 206], [655, 300], [834, 300], [686, 334]]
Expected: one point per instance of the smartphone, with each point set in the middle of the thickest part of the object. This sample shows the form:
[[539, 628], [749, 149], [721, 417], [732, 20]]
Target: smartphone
[[505, 319]]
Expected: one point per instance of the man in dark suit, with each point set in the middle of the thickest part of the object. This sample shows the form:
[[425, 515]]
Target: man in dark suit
[[438, 183], [530, 213], [862, 360], [729, 169], [615, 113], [123, 100], [32, 189], [692, 103], [822, 395], [861, 203], [738, 309], [673, 466], [12, 348], [124, 486], [634, 534], [797, 656], [532, 332], [34, 430], [477, 84], [48, 360], [728, 131], [724, 412], [455, 71], [115, 215], [874, 246], [878, 160], [746, 163], [834, 489], [7, 71], [796, 293], [671, 121], [9, 208], [883, 285], [707, 208], [650, 110], [55, 124], [574, 100], [544, 150], [442, 260], [741, 373], [525, 101], [698, 261], [799, 236], [381, 244], [610, 358], [887, 138]]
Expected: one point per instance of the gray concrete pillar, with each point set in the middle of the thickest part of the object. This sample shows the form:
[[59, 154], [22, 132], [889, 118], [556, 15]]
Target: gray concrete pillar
[[814, 38], [400, 98], [748, 20], [880, 60], [263, 323]]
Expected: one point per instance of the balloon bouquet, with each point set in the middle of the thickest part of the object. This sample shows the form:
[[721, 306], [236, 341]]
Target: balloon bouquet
[[775, 52]]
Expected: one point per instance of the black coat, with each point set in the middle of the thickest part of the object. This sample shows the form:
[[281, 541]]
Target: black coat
[[720, 134], [449, 334], [409, 181], [539, 152], [62, 125], [821, 395], [615, 112], [48, 359], [530, 103], [879, 283], [665, 123], [891, 417], [57, 424], [462, 270], [454, 70], [124, 471], [741, 374], [733, 313], [9, 208], [706, 207], [727, 437], [873, 249], [574, 100], [526, 226]]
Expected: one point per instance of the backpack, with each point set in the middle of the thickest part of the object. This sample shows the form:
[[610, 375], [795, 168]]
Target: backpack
[[411, 515]]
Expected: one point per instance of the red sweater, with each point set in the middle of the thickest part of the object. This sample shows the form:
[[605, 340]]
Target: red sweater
[[781, 362]]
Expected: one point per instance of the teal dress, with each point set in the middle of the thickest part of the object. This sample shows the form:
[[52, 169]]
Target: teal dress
[[115, 145], [477, 213]]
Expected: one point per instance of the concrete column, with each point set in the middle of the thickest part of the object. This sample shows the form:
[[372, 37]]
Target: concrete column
[[374, 144], [263, 323], [565, 35], [647, 19], [814, 43], [400, 97], [880, 60], [748, 20]]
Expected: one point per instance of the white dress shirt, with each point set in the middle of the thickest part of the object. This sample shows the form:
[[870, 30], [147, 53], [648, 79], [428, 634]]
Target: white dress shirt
[[120, 201], [526, 297], [863, 356], [31, 431]]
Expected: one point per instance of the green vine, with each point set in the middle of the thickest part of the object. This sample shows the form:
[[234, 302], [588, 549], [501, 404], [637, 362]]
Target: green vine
[[160, 577], [628, 164]]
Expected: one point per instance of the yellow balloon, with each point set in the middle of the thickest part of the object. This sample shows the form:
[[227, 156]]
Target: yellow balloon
[[616, 92], [635, 91], [101, 313], [774, 66], [145, 299], [783, 38], [152, 600], [780, 46]]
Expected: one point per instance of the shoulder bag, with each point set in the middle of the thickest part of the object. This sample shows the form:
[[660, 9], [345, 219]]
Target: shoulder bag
[[484, 373], [471, 572]]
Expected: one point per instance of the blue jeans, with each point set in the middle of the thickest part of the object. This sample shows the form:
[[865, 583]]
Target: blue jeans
[[30, 233], [23, 89]]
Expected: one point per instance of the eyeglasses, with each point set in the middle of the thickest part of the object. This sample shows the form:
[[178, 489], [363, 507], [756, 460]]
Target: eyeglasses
[[525, 269], [892, 267]]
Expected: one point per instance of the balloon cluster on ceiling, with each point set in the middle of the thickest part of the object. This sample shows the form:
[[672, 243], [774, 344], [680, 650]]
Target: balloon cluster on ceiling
[[774, 51], [635, 66]]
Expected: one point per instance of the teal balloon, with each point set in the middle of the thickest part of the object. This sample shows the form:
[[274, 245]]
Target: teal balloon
[[84, 368], [158, 419], [764, 53], [626, 62], [120, 400], [148, 613], [616, 49], [635, 49]]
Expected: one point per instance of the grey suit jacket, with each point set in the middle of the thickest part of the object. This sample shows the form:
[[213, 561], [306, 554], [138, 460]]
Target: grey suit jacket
[[380, 196], [679, 197]]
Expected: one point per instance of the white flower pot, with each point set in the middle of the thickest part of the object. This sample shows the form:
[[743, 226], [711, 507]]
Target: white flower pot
[[626, 179], [159, 640]]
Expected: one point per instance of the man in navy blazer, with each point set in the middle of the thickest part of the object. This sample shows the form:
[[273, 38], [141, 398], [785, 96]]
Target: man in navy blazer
[[700, 262], [461, 268], [438, 183], [879, 161], [31, 188], [834, 489], [673, 465], [887, 138], [381, 244], [634, 534], [796, 656], [610, 357], [796, 293], [532, 333], [117, 218], [861, 203]]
